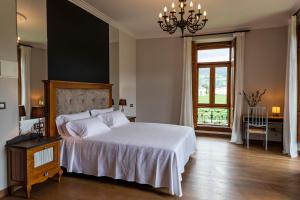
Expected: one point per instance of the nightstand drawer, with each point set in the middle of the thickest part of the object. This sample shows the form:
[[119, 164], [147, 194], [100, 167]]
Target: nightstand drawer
[[42, 174], [44, 168]]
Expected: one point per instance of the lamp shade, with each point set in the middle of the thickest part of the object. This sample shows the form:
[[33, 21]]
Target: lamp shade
[[22, 112], [276, 110], [122, 102], [37, 112]]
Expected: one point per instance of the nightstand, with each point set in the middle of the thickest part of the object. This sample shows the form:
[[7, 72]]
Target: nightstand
[[31, 161], [131, 118]]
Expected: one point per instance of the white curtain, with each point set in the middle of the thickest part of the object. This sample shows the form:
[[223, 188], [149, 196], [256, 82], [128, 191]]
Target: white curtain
[[186, 115], [290, 104], [25, 79], [236, 136]]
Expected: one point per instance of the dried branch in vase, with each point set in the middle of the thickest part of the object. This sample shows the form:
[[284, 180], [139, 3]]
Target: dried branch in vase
[[254, 98]]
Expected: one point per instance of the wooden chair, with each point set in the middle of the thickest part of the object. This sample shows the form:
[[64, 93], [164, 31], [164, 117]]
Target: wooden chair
[[257, 123]]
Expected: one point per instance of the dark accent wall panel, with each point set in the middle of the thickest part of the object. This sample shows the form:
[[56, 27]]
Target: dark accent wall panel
[[78, 44]]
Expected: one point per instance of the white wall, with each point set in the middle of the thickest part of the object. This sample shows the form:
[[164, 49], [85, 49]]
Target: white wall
[[122, 69], [8, 87], [38, 72], [159, 75], [127, 72], [114, 64], [265, 63], [159, 71]]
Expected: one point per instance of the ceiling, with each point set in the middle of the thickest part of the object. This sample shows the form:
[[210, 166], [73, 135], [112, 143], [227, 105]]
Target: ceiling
[[140, 16], [34, 29]]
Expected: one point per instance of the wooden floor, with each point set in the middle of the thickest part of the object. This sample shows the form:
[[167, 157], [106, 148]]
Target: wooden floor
[[219, 170]]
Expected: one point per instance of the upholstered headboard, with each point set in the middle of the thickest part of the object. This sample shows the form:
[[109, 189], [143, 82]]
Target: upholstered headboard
[[72, 97], [69, 101]]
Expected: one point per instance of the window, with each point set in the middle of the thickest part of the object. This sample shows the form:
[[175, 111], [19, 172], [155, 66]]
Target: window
[[211, 84], [213, 55]]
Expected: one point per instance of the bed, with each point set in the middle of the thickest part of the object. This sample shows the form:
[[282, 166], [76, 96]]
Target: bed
[[146, 153]]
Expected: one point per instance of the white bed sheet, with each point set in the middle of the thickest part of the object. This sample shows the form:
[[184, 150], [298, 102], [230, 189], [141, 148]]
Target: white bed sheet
[[146, 153]]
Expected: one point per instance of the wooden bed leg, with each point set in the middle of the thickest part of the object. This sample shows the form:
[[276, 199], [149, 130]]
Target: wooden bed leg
[[10, 190], [60, 173], [28, 191]]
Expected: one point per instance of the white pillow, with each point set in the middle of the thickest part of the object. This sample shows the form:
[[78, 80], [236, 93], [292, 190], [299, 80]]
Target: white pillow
[[87, 127], [114, 119], [63, 119], [96, 112]]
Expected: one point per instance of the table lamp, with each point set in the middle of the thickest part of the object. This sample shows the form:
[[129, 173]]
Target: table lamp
[[122, 103], [38, 112], [276, 111], [22, 112]]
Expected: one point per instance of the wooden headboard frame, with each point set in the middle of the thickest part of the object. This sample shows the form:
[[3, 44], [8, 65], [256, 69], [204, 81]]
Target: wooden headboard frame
[[50, 99]]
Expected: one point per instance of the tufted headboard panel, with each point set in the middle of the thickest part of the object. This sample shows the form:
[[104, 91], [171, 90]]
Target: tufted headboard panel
[[69, 101], [64, 97]]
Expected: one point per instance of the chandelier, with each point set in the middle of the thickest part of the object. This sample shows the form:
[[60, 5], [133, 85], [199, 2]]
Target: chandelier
[[169, 21]]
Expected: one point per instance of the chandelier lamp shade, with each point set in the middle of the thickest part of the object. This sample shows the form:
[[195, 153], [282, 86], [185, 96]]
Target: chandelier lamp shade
[[170, 21]]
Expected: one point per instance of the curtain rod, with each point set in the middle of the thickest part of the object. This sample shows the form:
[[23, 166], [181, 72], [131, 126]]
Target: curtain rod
[[208, 34], [26, 45], [297, 12]]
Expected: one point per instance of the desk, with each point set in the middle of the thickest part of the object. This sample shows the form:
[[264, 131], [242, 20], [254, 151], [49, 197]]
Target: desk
[[273, 121]]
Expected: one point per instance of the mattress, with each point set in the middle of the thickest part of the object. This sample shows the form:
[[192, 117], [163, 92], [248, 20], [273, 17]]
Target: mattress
[[146, 153]]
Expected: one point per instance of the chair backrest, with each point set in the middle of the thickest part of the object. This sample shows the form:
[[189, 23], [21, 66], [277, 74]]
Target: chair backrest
[[257, 116]]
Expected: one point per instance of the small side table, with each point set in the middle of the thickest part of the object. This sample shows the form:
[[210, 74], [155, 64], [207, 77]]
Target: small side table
[[31, 161], [131, 118]]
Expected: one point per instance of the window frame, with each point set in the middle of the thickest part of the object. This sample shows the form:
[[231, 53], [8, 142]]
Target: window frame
[[212, 66], [211, 47]]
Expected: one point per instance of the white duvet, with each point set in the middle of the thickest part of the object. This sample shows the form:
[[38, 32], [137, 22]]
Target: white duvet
[[146, 153]]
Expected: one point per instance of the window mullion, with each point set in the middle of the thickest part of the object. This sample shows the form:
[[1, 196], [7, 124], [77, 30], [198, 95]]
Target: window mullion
[[228, 86], [212, 85]]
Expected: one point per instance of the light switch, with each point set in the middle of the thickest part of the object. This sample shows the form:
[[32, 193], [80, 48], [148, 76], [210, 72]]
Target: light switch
[[2, 105], [131, 105]]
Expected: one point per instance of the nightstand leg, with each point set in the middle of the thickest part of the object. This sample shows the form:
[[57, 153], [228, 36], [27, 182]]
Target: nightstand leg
[[28, 191], [10, 190], [60, 173]]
